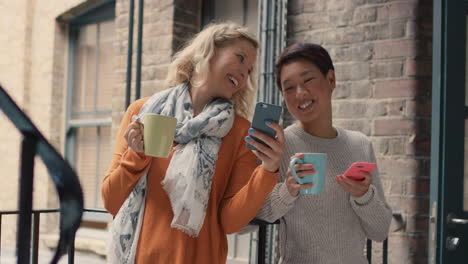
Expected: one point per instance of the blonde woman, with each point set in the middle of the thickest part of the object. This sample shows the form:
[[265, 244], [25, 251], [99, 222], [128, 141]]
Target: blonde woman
[[212, 84]]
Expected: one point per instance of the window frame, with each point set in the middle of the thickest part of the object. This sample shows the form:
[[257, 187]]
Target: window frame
[[98, 13]]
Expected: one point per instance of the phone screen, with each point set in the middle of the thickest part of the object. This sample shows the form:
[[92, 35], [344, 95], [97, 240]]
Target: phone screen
[[263, 112]]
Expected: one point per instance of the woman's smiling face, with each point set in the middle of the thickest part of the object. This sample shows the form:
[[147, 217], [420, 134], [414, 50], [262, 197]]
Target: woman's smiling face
[[230, 68], [306, 91]]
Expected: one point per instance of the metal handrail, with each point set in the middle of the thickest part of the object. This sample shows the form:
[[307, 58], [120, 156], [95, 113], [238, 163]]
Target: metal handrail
[[261, 246], [262, 226], [63, 176]]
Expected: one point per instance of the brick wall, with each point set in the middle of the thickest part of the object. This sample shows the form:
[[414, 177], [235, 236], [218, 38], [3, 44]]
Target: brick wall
[[11, 52], [382, 53], [167, 24], [32, 58]]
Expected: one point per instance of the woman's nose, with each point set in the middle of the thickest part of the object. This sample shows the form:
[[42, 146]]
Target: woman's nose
[[301, 90], [244, 75]]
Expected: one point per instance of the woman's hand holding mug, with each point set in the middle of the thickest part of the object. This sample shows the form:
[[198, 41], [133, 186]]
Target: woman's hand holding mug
[[134, 135]]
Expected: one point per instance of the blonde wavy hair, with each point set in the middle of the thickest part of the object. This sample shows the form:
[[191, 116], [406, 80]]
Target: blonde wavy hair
[[194, 58]]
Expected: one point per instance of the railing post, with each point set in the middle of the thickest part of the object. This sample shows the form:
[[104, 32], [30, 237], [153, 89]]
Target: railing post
[[261, 244], [369, 251], [23, 240], [128, 88], [385, 251], [141, 6], [35, 237]]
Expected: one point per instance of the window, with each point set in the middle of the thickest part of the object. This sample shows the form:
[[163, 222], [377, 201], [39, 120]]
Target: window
[[242, 12], [89, 99]]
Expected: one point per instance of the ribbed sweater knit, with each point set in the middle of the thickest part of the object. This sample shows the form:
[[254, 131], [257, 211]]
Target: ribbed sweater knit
[[330, 227]]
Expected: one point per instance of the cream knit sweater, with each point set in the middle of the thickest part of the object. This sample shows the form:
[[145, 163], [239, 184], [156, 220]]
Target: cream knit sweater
[[330, 227]]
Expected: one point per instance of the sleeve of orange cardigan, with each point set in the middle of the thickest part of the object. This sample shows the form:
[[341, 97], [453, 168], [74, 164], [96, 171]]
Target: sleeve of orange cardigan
[[126, 167], [248, 187]]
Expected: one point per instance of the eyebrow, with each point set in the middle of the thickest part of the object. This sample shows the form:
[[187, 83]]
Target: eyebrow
[[307, 71], [243, 54]]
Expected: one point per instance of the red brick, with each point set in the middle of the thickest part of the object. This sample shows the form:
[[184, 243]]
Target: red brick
[[393, 127], [407, 248], [308, 21], [386, 69], [397, 187], [402, 10], [418, 186], [352, 71], [395, 108], [354, 89], [382, 13], [394, 201], [343, 35], [396, 146], [361, 125], [376, 1], [397, 29], [344, 109], [397, 48], [418, 68], [376, 31], [364, 15], [417, 224], [419, 29], [396, 168], [414, 205], [420, 147], [358, 2], [334, 5], [313, 6], [394, 89], [419, 108]]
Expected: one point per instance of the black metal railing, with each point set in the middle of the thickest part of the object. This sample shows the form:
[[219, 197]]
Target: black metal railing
[[64, 178], [261, 248], [34, 241]]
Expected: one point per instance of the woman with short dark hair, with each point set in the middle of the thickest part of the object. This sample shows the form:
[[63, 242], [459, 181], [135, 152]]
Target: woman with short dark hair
[[332, 226]]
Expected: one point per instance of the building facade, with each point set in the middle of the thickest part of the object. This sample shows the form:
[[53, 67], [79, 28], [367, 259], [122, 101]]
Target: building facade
[[65, 63]]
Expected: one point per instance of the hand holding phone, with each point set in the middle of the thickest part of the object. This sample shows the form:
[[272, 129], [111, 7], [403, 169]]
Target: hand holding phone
[[264, 112], [354, 171]]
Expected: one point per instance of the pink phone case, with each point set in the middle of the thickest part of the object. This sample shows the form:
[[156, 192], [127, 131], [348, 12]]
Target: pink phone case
[[354, 171]]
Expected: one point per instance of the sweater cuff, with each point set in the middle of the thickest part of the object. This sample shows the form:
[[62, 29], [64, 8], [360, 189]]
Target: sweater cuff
[[285, 196], [366, 198], [271, 176]]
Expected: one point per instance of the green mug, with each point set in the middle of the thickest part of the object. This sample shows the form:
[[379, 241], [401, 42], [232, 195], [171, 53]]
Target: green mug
[[319, 160], [158, 134]]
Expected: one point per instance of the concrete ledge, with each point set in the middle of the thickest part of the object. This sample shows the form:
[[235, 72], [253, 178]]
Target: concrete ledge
[[87, 240]]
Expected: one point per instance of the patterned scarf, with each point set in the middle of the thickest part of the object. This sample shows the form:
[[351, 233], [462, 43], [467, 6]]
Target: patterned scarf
[[188, 178]]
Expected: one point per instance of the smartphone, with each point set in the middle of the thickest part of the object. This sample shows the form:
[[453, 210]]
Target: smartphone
[[354, 171], [263, 112]]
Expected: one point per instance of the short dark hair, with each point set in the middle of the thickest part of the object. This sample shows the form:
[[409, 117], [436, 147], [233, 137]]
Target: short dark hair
[[311, 52]]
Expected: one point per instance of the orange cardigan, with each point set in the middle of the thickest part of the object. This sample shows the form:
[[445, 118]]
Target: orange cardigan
[[238, 190]]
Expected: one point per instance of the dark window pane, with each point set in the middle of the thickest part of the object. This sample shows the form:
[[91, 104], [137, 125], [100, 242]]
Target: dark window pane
[[93, 71], [92, 156]]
